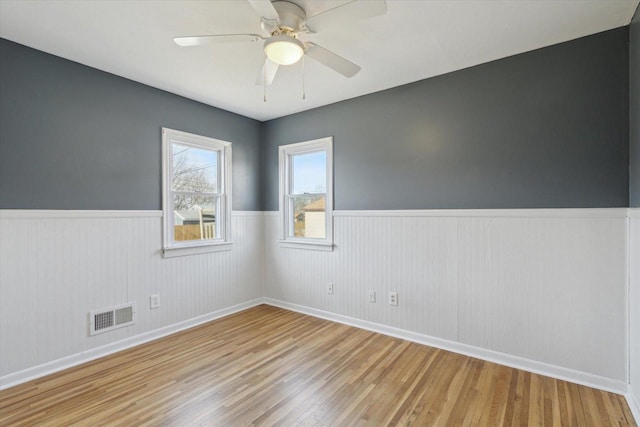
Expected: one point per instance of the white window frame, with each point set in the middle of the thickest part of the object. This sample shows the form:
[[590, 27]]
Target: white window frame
[[285, 153], [222, 241]]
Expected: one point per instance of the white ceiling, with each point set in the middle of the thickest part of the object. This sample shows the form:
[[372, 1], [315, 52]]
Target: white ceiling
[[413, 41]]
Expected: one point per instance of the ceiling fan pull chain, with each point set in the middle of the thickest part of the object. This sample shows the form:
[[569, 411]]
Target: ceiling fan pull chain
[[304, 95]]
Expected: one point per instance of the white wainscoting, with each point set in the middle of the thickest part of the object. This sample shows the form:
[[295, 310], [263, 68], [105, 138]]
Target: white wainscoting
[[56, 266], [633, 396], [545, 285], [548, 286]]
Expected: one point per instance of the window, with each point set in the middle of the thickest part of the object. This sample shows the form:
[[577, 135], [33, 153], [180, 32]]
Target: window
[[196, 193], [306, 194]]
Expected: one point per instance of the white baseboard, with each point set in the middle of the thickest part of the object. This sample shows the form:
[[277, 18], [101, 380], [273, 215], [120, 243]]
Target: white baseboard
[[38, 371], [634, 404], [541, 368], [565, 374]]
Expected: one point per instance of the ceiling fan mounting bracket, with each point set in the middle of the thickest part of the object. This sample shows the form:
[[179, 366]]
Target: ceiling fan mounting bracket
[[268, 25], [304, 29]]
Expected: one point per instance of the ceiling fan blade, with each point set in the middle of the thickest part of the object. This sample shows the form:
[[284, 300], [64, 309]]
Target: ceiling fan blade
[[331, 60], [216, 38], [267, 73], [347, 13], [265, 9]]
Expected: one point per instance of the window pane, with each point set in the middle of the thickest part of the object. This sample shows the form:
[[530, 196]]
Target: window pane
[[309, 216], [309, 173], [194, 169], [194, 217]]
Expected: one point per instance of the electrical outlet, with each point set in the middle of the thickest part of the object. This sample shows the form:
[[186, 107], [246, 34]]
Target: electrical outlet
[[330, 288], [154, 301], [372, 296], [393, 298]]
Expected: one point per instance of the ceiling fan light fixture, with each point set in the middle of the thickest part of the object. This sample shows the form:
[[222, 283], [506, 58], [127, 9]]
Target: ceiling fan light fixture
[[283, 50]]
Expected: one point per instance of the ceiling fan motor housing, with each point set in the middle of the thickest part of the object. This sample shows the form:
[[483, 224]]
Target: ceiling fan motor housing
[[291, 16]]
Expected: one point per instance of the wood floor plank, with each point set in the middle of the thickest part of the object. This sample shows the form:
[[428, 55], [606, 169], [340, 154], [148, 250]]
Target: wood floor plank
[[268, 366]]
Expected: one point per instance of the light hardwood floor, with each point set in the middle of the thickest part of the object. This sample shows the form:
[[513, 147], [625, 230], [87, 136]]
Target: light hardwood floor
[[268, 366]]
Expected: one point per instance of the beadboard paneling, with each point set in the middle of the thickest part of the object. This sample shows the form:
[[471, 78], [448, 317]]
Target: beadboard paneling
[[546, 289], [57, 266], [634, 309], [549, 288], [545, 285]]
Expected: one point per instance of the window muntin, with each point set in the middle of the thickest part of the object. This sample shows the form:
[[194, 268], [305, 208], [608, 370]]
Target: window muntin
[[196, 190], [306, 196]]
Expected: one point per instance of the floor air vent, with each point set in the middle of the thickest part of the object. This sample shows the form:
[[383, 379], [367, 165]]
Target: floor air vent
[[107, 319]]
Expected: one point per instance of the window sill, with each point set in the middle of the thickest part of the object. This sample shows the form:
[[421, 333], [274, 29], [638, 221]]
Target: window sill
[[195, 249], [308, 245]]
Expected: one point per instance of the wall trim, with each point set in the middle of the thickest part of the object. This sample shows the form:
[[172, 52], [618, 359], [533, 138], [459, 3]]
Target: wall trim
[[561, 373], [456, 213], [508, 213], [6, 214], [633, 403], [47, 368], [54, 213], [505, 213]]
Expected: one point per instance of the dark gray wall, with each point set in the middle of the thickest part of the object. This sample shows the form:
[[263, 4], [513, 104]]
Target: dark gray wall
[[548, 128], [634, 110], [73, 137]]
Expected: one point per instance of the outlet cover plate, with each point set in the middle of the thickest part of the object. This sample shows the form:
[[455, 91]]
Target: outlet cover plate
[[393, 298], [371, 296], [154, 301]]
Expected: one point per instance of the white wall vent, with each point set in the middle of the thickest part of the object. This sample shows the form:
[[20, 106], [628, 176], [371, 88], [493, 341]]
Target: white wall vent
[[107, 319]]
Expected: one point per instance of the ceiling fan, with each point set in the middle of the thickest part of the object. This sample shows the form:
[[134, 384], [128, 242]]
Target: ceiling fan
[[283, 23]]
